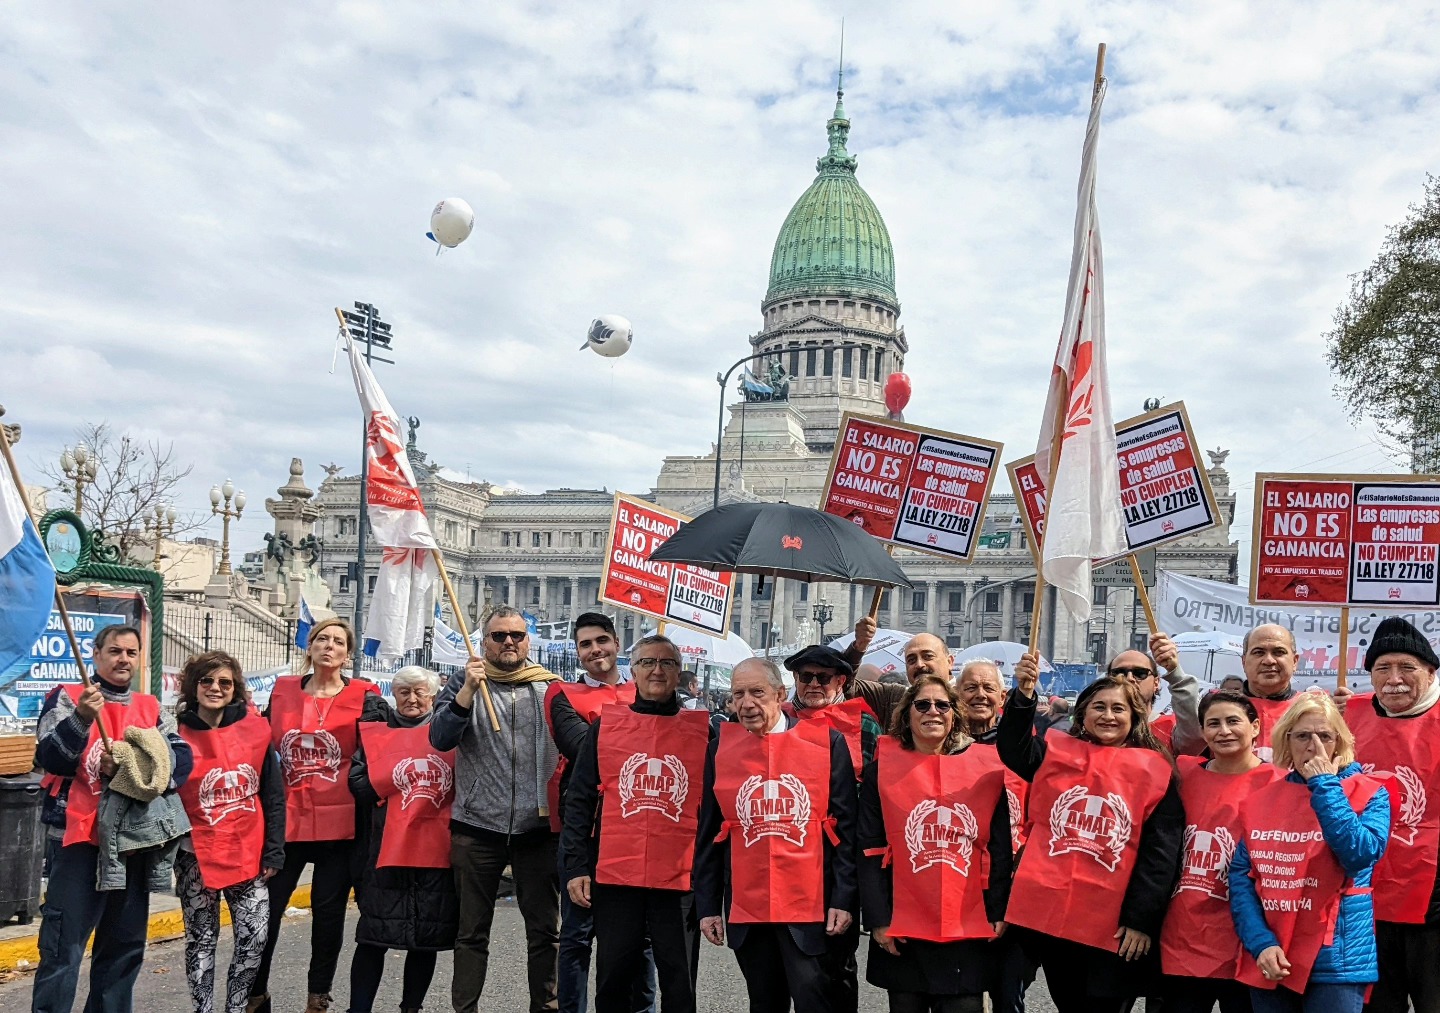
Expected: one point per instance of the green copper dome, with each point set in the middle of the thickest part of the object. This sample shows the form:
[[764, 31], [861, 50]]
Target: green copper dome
[[834, 238]]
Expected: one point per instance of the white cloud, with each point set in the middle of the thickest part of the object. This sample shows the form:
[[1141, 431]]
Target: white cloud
[[188, 191]]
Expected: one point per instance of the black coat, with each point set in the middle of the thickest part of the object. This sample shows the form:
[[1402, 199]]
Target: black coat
[[272, 784], [400, 909]]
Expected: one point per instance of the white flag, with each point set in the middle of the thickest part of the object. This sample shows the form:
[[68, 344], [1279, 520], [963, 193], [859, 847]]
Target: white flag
[[400, 602], [1082, 515], [448, 646]]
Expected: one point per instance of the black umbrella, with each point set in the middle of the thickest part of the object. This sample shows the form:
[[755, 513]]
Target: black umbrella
[[782, 540]]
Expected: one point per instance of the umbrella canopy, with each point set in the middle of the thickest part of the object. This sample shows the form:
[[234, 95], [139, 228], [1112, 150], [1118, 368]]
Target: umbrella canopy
[[782, 540], [697, 647], [885, 649], [1005, 653]]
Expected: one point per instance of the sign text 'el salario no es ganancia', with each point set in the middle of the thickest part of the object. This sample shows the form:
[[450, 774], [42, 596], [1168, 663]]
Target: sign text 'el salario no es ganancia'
[[1346, 540], [907, 485], [671, 592]]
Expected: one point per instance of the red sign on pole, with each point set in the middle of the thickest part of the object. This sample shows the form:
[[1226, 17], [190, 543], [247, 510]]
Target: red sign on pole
[[907, 485], [1346, 540], [671, 592]]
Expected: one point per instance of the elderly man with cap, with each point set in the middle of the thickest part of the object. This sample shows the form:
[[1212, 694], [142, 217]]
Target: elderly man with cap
[[823, 679], [775, 863], [1397, 729], [1179, 730]]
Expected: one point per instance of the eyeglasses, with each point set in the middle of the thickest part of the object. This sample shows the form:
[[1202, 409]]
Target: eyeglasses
[[1305, 738], [1134, 671], [823, 678], [210, 680], [501, 637], [650, 664], [926, 706]]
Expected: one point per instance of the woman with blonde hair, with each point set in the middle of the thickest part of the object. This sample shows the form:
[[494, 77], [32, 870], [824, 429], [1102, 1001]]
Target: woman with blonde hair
[[314, 726], [1300, 876]]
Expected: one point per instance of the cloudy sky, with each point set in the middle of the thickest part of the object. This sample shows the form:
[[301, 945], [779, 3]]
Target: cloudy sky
[[187, 190]]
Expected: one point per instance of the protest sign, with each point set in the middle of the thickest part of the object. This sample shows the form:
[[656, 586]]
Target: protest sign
[[1346, 540], [671, 592], [1165, 494], [921, 488]]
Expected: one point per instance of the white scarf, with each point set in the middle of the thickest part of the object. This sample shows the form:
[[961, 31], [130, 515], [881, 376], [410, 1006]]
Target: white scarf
[[1427, 700]]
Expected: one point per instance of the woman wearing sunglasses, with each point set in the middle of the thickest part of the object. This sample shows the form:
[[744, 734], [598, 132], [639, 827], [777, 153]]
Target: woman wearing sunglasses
[[935, 831], [1103, 844], [1300, 877], [314, 719], [235, 799]]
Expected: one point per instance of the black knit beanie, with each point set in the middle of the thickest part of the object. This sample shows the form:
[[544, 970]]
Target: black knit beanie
[[1397, 636]]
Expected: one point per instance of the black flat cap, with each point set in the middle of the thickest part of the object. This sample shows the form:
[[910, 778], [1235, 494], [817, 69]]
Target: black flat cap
[[821, 657]]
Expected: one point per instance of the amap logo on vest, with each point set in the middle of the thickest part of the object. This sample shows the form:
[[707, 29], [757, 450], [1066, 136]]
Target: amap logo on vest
[[309, 754], [428, 777], [223, 792], [936, 834], [1206, 862], [1414, 801], [1095, 825], [778, 807], [660, 784]]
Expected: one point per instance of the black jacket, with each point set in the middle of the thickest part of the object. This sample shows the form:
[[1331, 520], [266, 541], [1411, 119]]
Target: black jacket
[[712, 858], [1157, 864], [400, 909], [580, 834], [967, 967], [272, 785]]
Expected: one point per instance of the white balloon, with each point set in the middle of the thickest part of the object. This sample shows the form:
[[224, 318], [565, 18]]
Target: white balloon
[[609, 335], [451, 222]]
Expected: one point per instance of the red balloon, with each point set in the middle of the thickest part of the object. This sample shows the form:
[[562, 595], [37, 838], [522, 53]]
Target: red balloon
[[897, 392]]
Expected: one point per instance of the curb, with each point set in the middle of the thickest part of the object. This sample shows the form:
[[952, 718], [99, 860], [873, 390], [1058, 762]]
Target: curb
[[23, 953]]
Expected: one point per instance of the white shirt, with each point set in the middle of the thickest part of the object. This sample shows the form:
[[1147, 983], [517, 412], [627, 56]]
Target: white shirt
[[585, 678]]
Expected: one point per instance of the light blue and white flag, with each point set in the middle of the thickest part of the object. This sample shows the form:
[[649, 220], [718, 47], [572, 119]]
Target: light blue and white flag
[[27, 577], [448, 646], [303, 624]]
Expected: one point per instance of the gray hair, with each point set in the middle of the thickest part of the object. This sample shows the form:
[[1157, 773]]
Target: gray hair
[[772, 673], [976, 663], [415, 675], [503, 612], [652, 640]]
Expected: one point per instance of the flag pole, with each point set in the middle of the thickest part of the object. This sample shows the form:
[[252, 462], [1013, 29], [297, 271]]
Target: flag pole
[[14, 470], [1342, 670], [1144, 594], [465, 633], [875, 599]]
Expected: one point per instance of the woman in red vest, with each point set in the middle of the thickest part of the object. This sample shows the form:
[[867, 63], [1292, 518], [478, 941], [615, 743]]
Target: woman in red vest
[[406, 892], [1103, 841], [1300, 878], [1199, 950], [235, 799], [935, 832], [314, 720]]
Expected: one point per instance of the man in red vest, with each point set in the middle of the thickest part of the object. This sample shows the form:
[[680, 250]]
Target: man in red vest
[[628, 863], [1397, 730], [1269, 655], [775, 866], [571, 708], [70, 751]]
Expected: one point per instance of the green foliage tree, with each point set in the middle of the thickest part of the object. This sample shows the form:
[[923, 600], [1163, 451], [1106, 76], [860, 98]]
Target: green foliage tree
[[1385, 347]]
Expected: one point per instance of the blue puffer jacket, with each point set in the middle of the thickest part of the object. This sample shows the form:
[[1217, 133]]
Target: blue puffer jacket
[[1357, 840]]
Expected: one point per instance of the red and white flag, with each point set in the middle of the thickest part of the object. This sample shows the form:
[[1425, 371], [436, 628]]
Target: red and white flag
[[1082, 516], [400, 602]]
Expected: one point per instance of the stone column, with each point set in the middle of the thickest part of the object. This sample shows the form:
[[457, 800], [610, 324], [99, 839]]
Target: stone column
[[544, 595], [1007, 612], [932, 608], [747, 613], [510, 598], [575, 608], [895, 605]]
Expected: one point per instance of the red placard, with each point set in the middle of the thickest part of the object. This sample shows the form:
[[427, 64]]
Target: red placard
[[1029, 489], [671, 592], [921, 488]]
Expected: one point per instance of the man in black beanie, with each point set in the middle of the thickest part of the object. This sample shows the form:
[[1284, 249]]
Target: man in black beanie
[[1397, 729]]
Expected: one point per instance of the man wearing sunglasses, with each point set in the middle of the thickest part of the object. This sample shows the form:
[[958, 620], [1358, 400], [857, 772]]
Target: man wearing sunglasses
[[1179, 730], [501, 813]]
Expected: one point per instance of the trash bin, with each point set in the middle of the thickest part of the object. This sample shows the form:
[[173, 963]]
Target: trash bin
[[22, 847]]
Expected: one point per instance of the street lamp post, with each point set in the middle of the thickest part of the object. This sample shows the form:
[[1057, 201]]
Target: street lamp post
[[823, 612], [162, 522], [226, 493], [78, 466], [723, 379]]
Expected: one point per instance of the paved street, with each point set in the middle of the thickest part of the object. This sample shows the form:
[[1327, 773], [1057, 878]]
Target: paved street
[[162, 982]]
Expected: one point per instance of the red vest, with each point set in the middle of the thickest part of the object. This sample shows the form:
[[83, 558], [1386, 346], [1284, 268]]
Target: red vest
[[937, 812], [83, 802], [1281, 832], [222, 799], [416, 785], [1406, 753], [1199, 938], [651, 769], [1271, 711], [1017, 791], [588, 701], [1087, 806], [1164, 729], [315, 740], [844, 717], [774, 793]]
